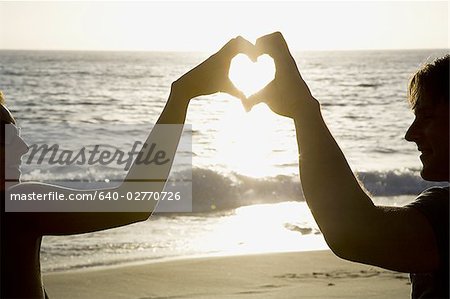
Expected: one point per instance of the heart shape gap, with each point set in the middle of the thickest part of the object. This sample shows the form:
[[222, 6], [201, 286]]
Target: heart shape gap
[[250, 77]]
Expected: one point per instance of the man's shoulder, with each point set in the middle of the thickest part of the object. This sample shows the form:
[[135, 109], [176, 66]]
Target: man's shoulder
[[436, 190], [434, 195], [434, 204]]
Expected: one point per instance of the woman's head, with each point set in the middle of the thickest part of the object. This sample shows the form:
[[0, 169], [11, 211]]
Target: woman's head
[[5, 115], [12, 147]]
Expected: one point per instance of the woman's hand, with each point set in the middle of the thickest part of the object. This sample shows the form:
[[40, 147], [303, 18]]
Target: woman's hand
[[211, 75], [287, 92]]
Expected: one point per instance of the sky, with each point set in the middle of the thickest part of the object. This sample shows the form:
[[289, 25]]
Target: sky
[[207, 25]]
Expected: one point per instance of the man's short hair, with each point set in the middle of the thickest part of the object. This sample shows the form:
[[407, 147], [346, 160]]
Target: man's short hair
[[430, 83]]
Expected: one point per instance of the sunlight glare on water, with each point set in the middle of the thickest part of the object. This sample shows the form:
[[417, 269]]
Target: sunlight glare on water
[[246, 141]]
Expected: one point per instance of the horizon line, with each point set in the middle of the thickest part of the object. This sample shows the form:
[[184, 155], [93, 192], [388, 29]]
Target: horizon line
[[202, 51]]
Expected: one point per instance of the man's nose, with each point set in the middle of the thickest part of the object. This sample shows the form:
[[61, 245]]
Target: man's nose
[[411, 133]]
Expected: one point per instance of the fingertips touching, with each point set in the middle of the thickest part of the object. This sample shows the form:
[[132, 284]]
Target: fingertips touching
[[252, 101], [247, 106]]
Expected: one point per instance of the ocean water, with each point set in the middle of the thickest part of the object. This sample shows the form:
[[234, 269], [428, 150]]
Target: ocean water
[[246, 192]]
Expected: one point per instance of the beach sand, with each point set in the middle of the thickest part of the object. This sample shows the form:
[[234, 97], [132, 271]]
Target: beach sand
[[315, 274]]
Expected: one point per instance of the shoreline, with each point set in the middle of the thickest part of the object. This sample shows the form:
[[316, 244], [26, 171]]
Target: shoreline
[[149, 261], [308, 274]]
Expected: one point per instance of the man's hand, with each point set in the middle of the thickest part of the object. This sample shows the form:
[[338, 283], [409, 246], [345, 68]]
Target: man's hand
[[211, 75], [287, 92]]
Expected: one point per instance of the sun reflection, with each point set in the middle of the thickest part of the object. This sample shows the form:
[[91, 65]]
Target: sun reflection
[[246, 141], [265, 228]]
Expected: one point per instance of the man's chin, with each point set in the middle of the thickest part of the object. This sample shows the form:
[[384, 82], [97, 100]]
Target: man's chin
[[434, 176]]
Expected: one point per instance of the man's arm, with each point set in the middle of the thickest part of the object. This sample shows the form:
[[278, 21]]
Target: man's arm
[[355, 229], [397, 238]]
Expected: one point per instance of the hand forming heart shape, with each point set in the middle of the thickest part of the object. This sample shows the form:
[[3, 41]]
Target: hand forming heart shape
[[250, 77]]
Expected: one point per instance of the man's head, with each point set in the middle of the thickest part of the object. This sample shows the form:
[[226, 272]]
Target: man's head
[[429, 98]]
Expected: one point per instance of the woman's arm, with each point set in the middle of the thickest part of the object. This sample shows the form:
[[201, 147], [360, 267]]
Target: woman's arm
[[209, 77], [140, 177]]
